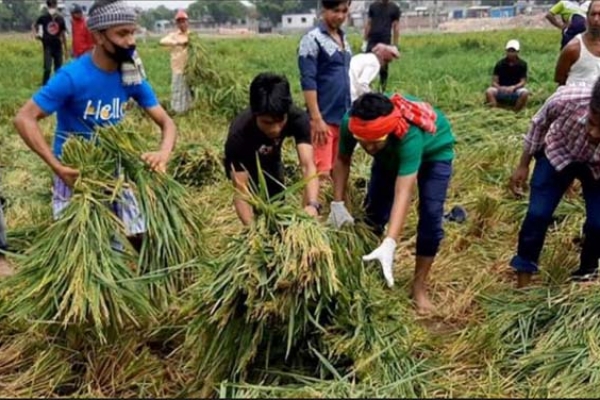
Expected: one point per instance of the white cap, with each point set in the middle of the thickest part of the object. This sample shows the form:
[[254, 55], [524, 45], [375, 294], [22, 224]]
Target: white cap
[[513, 44]]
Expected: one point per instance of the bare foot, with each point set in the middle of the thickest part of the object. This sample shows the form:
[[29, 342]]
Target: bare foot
[[422, 303], [6, 268]]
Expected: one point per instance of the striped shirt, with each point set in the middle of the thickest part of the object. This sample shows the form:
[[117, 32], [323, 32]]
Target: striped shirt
[[560, 129]]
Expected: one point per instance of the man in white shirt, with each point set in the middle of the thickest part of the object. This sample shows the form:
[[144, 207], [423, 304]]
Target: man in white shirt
[[365, 67], [579, 61]]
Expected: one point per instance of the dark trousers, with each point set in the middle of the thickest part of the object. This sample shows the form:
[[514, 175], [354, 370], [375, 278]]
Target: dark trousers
[[432, 180], [383, 71], [547, 189], [52, 54], [576, 26]]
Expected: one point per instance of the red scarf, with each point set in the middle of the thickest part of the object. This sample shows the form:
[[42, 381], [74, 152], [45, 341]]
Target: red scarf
[[398, 122]]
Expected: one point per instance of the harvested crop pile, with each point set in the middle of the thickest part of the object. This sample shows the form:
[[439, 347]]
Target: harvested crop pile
[[214, 87], [72, 274], [174, 234], [197, 165], [290, 292]]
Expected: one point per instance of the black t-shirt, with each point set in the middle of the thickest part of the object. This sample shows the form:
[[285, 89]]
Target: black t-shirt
[[382, 16], [509, 75], [53, 26], [245, 140]]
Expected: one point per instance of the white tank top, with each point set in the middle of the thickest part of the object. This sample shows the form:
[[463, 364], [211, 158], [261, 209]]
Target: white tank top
[[587, 68]]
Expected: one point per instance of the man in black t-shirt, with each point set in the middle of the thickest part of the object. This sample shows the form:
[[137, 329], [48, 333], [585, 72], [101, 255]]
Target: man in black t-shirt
[[260, 131], [384, 17], [51, 29], [509, 79]]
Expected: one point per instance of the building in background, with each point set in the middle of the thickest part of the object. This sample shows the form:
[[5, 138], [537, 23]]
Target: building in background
[[298, 21]]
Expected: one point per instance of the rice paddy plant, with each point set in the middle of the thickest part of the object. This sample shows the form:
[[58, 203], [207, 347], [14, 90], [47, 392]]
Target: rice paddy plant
[[568, 351], [71, 274], [174, 228], [213, 86]]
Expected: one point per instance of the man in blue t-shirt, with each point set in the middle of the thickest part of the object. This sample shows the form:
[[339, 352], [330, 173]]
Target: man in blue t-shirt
[[92, 92]]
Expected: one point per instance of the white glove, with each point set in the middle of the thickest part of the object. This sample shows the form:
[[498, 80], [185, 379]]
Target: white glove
[[339, 215], [363, 48], [385, 254]]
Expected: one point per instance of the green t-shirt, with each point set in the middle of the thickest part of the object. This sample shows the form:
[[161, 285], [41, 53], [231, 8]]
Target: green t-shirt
[[566, 9], [406, 155]]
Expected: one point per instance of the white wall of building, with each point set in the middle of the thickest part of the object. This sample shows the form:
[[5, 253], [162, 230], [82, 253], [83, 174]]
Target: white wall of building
[[297, 21]]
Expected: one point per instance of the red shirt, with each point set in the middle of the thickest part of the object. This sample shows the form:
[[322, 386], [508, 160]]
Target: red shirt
[[82, 38]]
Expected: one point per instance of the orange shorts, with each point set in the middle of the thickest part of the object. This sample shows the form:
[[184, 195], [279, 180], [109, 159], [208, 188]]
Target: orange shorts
[[326, 154]]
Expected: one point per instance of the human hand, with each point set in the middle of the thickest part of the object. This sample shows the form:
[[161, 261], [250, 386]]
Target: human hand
[[339, 215], [518, 180], [385, 255], [156, 160], [67, 174], [319, 132]]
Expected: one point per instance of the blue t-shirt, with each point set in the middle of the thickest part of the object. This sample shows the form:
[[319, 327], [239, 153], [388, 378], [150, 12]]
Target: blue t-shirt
[[85, 96]]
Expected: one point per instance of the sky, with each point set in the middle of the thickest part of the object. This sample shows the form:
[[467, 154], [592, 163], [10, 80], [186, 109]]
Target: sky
[[174, 4]]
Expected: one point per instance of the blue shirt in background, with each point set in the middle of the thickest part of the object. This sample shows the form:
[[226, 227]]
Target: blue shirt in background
[[324, 67], [85, 96]]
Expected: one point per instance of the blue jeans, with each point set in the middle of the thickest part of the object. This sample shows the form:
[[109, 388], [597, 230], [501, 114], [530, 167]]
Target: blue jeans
[[547, 189], [433, 180]]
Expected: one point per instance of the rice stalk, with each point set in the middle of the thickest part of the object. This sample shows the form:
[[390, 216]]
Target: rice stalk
[[71, 274], [174, 228]]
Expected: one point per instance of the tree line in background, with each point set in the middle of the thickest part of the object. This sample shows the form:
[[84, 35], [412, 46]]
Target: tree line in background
[[18, 15]]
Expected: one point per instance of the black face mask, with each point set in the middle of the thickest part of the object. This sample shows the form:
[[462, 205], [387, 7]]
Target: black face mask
[[121, 54]]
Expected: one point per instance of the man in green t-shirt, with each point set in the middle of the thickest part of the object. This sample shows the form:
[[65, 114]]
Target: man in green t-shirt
[[568, 16], [411, 143]]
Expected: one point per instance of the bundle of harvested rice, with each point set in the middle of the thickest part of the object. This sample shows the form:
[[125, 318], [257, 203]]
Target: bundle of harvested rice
[[197, 165], [268, 292], [221, 90], [71, 274], [291, 293], [174, 235]]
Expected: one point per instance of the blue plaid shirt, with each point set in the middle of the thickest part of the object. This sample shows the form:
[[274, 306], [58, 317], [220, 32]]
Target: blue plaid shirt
[[324, 67]]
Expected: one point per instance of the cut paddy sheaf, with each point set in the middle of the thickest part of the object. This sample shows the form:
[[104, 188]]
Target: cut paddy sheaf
[[485, 340]]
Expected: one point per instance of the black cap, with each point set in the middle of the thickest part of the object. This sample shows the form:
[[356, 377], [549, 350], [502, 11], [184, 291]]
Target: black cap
[[76, 8]]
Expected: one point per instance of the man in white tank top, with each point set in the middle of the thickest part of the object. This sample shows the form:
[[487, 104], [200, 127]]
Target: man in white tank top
[[579, 61]]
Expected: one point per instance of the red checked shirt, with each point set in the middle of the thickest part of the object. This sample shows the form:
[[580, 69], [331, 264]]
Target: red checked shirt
[[559, 128]]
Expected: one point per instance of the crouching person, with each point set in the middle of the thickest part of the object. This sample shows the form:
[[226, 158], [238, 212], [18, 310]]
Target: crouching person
[[260, 131], [564, 138], [412, 145], [92, 92]]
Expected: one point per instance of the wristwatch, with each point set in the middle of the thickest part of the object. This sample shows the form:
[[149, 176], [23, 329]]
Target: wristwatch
[[316, 205]]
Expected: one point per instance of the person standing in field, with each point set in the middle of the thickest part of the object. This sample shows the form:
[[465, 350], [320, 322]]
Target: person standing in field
[[569, 17], [92, 92], [51, 29], [563, 138], [181, 97], [324, 57], [509, 80], [82, 38], [259, 131], [412, 145], [579, 61], [383, 26], [365, 67]]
